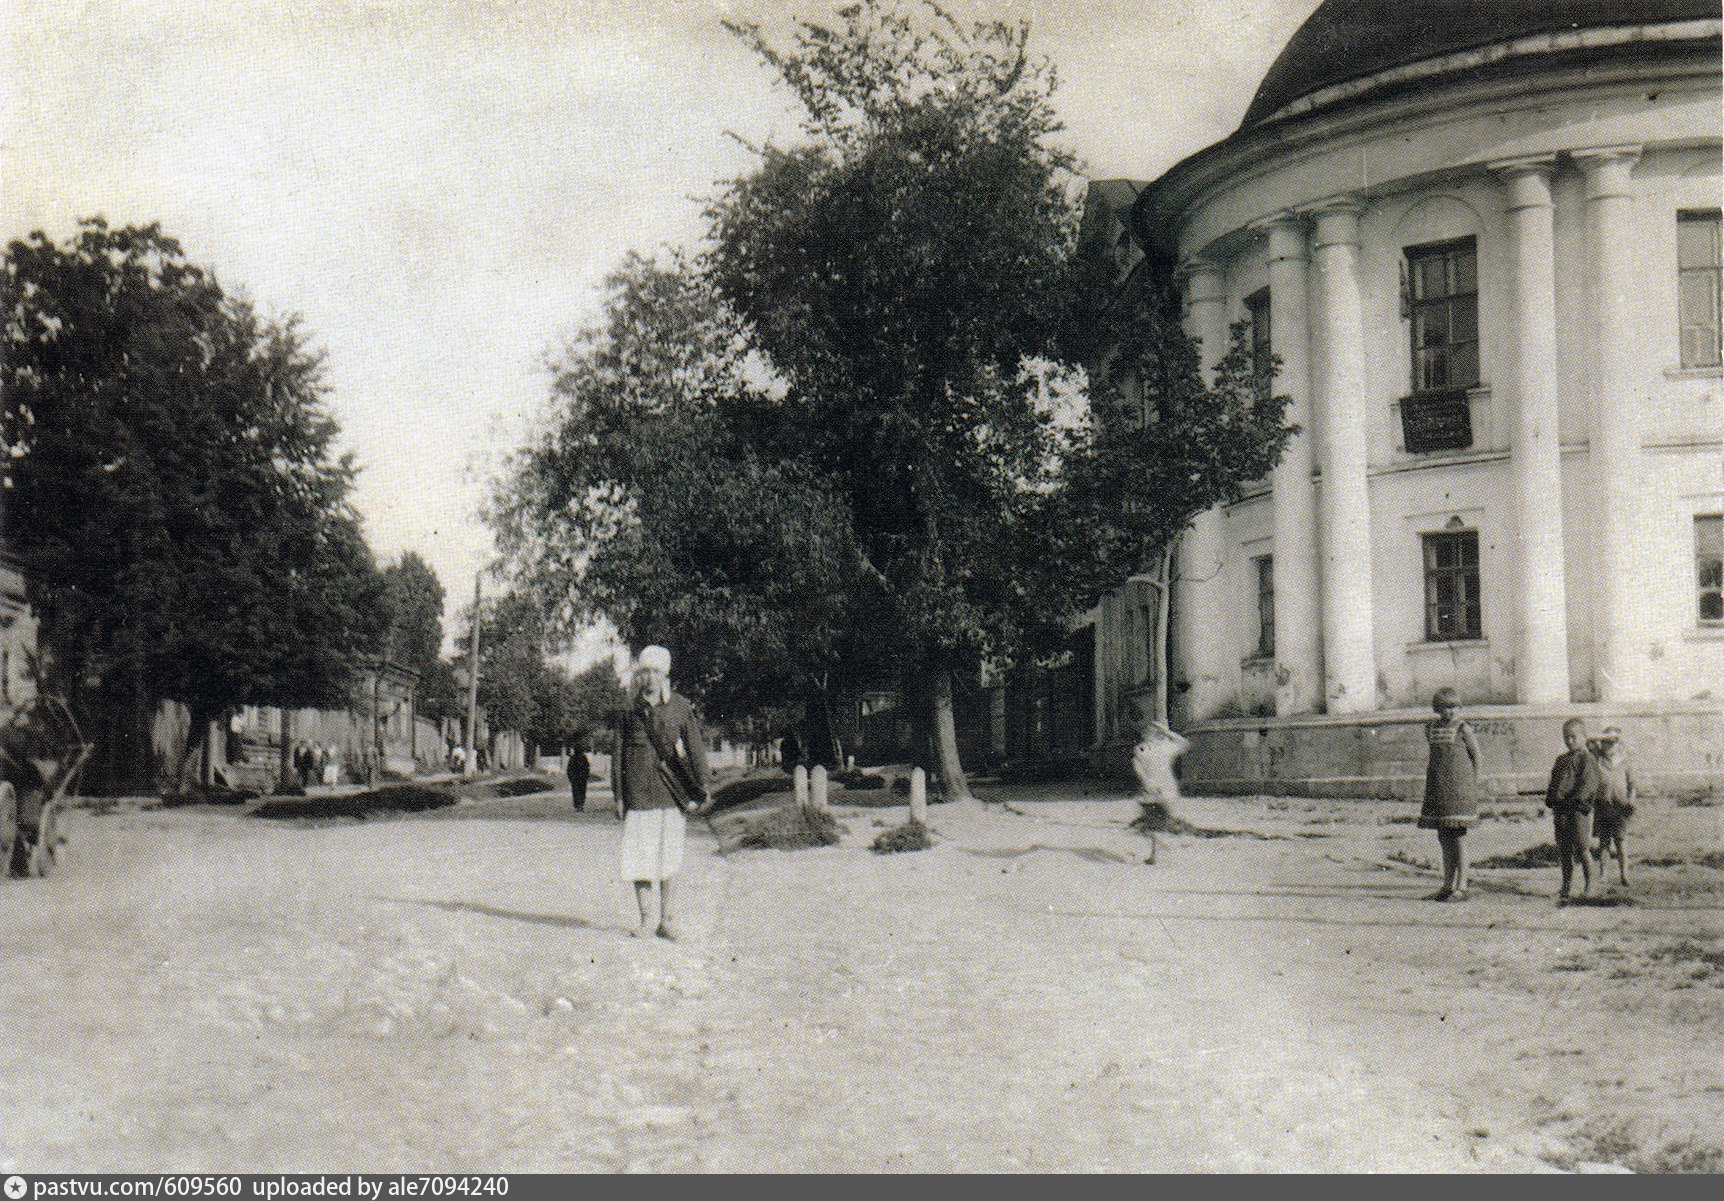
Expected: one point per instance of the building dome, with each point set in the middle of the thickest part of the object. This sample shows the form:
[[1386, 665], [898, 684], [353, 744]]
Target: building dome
[[1348, 41]]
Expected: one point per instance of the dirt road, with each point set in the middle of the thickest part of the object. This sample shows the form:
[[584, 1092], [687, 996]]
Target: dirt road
[[199, 990]]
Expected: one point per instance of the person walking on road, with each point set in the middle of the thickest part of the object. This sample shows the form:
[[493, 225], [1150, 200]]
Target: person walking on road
[[579, 768], [1451, 790], [658, 772]]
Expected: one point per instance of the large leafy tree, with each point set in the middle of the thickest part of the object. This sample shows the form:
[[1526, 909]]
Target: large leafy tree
[[186, 529], [904, 267], [666, 497], [413, 633]]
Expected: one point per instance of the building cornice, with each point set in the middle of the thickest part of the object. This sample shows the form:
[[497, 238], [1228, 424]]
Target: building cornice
[[1689, 63]]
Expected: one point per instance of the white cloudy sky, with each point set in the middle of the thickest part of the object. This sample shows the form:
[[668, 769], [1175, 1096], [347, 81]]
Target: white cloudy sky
[[439, 186]]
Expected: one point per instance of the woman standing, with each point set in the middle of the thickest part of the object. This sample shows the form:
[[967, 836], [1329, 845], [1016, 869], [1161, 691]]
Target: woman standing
[[658, 771]]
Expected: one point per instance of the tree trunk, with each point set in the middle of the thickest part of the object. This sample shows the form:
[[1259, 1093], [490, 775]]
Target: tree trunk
[[1162, 651], [196, 753], [287, 779], [953, 783]]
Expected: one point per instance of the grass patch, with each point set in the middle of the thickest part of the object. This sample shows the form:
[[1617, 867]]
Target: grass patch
[[1688, 951], [911, 836], [789, 828], [1620, 1144]]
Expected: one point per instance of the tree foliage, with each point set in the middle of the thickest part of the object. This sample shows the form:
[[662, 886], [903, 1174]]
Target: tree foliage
[[905, 268], [851, 437], [413, 634], [663, 497], [185, 530], [1162, 445]]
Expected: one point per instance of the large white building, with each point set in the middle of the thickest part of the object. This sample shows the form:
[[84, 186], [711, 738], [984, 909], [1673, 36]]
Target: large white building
[[1482, 237]]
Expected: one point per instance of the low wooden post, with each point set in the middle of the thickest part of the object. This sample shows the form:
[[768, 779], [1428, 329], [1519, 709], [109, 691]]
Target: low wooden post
[[918, 795], [800, 776], [817, 788]]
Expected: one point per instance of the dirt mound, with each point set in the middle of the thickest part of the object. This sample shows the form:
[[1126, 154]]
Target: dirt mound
[[1157, 818], [787, 828], [357, 806], [512, 786], [911, 836], [1543, 855]]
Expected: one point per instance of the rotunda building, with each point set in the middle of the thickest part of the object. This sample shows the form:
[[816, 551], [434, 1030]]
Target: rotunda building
[[1482, 239]]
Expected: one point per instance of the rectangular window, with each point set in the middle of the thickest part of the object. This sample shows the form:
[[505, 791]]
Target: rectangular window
[[1443, 308], [1265, 606], [1452, 586], [1709, 568], [1699, 280], [1262, 346]]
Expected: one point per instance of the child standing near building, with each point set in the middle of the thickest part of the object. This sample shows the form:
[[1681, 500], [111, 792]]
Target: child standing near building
[[1575, 785], [1451, 790], [1616, 802]]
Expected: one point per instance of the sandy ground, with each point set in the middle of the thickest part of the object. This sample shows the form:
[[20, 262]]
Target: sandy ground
[[195, 989]]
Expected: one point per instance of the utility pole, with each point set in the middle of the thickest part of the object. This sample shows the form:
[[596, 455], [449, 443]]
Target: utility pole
[[468, 766]]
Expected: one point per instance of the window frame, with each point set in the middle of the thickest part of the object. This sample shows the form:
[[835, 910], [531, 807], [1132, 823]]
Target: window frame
[[1261, 315], [1700, 279], [1265, 570], [1709, 570], [1463, 602], [1449, 301]]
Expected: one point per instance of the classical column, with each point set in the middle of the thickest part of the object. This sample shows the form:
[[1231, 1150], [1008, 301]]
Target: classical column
[[1613, 436], [1541, 666], [1200, 659], [1338, 394], [1297, 658]]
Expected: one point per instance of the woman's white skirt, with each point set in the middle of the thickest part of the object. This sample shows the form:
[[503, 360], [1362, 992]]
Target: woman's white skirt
[[652, 843]]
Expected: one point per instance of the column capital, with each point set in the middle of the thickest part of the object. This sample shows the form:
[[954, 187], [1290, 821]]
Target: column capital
[[1202, 279], [1287, 233], [1527, 180], [1523, 165], [1607, 169], [1337, 220]]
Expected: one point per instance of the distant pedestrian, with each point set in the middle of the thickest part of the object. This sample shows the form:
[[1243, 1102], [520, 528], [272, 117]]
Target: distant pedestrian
[[658, 770], [789, 752], [579, 768], [1451, 790], [1575, 785], [331, 765], [1616, 802]]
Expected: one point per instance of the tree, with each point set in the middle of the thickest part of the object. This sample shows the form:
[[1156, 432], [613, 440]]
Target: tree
[[186, 533], [414, 634], [1161, 447], [904, 270], [665, 497]]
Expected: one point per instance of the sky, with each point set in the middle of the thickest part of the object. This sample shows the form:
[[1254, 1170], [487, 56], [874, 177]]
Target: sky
[[438, 188]]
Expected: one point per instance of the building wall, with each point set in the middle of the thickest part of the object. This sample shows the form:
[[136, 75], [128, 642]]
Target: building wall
[[1638, 450]]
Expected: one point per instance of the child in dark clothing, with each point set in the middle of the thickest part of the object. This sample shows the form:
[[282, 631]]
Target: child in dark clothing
[[1575, 787]]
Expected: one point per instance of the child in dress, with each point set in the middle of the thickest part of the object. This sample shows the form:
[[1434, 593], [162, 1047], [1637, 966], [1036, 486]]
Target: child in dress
[[1574, 789], [1451, 790], [1616, 805]]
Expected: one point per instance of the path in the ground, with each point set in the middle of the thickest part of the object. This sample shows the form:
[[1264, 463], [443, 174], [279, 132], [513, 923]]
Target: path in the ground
[[195, 990]]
